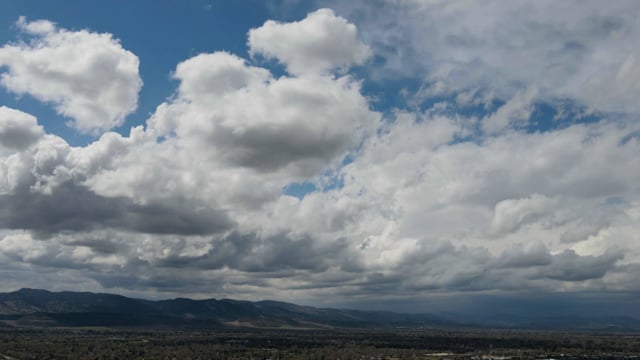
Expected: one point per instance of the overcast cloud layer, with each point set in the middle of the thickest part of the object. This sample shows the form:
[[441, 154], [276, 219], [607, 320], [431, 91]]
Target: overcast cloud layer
[[513, 167]]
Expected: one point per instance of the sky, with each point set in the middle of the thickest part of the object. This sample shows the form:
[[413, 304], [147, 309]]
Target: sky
[[417, 155]]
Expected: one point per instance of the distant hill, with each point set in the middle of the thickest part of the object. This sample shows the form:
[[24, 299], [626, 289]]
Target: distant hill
[[41, 308], [30, 307]]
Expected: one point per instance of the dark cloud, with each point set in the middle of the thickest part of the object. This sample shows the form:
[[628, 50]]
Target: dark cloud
[[569, 266], [18, 130], [269, 149], [159, 280], [104, 244], [520, 303], [172, 218], [254, 253], [519, 257], [439, 266], [72, 207], [18, 137]]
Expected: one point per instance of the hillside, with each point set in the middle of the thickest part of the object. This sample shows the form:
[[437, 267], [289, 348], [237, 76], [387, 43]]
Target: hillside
[[41, 308]]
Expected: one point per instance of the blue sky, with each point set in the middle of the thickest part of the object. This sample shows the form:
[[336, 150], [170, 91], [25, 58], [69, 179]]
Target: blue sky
[[381, 154]]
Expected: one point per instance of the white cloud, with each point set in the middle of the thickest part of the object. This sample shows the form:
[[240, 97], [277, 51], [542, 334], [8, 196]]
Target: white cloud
[[35, 27], [87, 76], [317, 44], [247, 118], [571, 50], [205, 77], [514, 113]]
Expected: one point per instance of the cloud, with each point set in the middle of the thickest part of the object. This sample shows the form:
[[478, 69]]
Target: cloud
[[18, 130], [206, 75], [520, 257], [511, 214], [514, 113], [87, 76], [71, 207], [574, 50], [247, 118], [487, 197], [45, 189], [569, 266], [438, 197], [181, 193], [317, 44]]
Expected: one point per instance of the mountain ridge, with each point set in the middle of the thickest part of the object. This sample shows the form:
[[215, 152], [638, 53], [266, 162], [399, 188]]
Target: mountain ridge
[[65, 308], [42, 308]]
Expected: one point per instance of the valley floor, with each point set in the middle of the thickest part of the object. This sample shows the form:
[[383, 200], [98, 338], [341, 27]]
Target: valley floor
[[274, 344]]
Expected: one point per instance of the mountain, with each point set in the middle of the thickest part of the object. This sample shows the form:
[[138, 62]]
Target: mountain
[[31, 307], [41, 308]]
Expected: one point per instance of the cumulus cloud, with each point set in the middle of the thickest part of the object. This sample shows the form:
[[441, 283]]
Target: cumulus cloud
[[87, 76], [44, 191], [18, 130], [247, 118], [320, 42]]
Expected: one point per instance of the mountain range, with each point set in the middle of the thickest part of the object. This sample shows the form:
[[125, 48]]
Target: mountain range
[[29, 308]]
